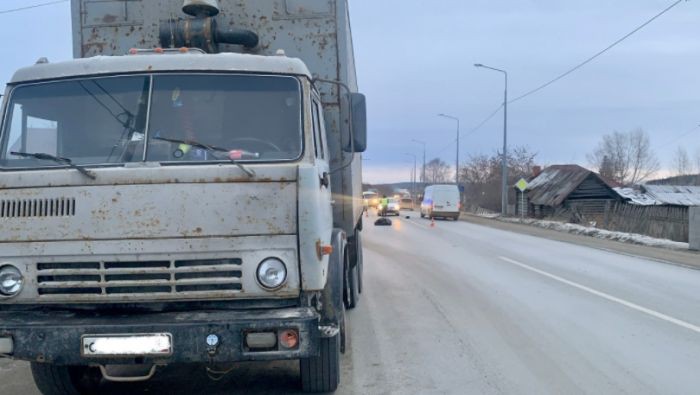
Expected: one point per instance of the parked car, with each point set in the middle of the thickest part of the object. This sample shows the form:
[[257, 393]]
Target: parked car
[[407, 204], [441, 201], [394, 207], [371, 199]]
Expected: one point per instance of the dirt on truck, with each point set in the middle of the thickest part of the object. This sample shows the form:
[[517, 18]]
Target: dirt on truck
[[186, 190]]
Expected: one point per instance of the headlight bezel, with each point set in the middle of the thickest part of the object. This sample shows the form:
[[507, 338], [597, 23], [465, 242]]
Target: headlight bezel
[[20, 283], [258, 276]]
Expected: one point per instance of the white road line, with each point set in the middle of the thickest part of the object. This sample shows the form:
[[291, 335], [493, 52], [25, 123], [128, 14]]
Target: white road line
[[611, 298]]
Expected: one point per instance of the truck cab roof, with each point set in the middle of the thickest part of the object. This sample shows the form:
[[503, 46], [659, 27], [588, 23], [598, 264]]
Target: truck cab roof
[[150, 63]]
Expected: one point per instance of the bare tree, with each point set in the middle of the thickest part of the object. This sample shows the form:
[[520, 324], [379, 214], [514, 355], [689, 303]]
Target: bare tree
[[607, 168], [481, 175], [628, 157], [437, 171], [697, 161], [681, 162], [477, 170]]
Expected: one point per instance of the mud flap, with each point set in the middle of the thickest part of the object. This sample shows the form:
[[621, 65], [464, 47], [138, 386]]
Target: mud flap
[[332, 303]]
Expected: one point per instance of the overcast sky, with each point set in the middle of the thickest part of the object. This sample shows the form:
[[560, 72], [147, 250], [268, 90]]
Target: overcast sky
[[415, 60]]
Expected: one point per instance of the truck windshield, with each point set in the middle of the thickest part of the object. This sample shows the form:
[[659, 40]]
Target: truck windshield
[[116, 120]]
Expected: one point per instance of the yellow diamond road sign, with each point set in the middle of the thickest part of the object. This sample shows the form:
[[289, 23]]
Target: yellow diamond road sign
[[522, 185]]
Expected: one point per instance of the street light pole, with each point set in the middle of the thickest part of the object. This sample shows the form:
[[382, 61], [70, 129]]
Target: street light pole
[[457, 160], [424, 145], [504, 161]]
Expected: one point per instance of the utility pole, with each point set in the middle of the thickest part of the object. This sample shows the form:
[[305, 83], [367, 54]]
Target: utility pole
[[457, 159], [424, 145], [504, 161]]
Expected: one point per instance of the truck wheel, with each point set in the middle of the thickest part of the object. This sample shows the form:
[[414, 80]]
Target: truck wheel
[[322, 373], [65, 380]]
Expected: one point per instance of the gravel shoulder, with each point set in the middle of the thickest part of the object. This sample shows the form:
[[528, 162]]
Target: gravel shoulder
[[676, 257]]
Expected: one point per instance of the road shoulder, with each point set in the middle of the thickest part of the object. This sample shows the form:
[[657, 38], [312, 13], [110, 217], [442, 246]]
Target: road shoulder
[[676, 257]]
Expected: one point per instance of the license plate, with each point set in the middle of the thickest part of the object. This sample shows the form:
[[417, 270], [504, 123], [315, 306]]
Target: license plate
[[145, 345]]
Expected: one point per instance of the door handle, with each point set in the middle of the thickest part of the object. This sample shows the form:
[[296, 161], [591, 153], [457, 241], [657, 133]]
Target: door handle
[[325, 179]]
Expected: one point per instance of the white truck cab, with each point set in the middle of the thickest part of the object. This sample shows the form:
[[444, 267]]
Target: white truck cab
[[177, 206]]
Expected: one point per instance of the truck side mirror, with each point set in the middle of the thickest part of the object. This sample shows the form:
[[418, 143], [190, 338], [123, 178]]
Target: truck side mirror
[[358, 106]]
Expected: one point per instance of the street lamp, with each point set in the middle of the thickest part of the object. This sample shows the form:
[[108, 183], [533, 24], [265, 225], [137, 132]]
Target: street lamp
[[424, 145], [457, 160], [413, 180], [504, 164]]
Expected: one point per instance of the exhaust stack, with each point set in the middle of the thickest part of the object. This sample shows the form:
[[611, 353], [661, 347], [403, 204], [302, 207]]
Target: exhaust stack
[[202, 31]]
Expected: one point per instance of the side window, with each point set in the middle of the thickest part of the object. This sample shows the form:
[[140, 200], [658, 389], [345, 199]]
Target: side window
[[317, 143], [321, 129]]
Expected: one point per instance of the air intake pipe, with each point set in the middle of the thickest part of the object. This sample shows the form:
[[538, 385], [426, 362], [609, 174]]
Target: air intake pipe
[[202, 31]]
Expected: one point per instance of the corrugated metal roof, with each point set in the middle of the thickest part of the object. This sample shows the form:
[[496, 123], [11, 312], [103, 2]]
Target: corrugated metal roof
[[673, 194], [659, 195], [555, 183], [635, 196]]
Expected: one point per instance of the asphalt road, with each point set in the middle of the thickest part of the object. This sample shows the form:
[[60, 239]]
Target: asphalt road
[[464, 308]]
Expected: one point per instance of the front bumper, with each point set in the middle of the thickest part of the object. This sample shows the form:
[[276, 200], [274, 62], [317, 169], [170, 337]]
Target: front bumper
[[55, 337]]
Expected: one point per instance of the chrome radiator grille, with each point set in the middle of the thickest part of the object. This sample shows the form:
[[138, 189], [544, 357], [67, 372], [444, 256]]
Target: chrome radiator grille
[[115, 281]]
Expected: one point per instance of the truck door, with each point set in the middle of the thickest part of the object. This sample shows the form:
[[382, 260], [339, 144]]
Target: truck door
[[322, 161]]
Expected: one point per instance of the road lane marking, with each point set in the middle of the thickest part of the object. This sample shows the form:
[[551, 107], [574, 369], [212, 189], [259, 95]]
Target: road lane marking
[[603, 295]]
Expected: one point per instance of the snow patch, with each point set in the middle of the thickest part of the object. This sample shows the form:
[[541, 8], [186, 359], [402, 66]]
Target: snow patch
[[624, 237]]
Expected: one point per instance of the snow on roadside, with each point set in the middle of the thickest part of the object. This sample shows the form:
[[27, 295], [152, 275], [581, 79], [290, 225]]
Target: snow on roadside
[[623, 237]]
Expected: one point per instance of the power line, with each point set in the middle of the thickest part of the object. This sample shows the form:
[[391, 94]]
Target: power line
[[580, 65], [669, 143], [470, 132], [451, 145], [32, 6], [482, 123], [570, 71]]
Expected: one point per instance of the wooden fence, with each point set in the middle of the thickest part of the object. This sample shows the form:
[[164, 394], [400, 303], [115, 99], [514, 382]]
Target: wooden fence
[[664, 222]]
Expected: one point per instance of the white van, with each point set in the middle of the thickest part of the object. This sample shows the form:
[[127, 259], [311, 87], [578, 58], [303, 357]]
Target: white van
[[441, 201]]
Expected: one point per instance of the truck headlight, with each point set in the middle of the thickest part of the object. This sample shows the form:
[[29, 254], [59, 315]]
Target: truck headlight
[[11, 280], [272, 273]]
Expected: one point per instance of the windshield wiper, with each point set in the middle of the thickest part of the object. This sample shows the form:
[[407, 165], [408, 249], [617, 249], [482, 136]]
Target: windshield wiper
[[57, 159], [211, 148]]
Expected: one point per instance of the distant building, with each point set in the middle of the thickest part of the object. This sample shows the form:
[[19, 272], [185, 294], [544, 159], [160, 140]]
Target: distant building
[[569, 190]]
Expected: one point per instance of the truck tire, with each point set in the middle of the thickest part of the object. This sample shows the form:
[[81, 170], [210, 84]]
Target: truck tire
[[65, 380], [322, 373]]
